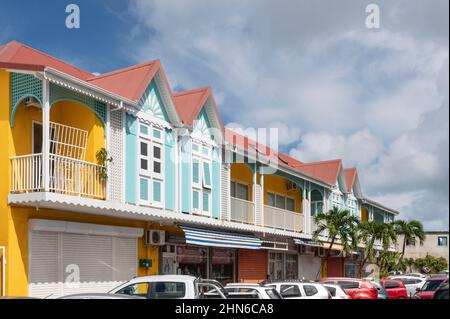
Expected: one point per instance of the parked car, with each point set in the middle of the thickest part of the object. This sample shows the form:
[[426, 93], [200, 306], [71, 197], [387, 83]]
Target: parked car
[[300, 289], [170, 287], [336, 291], [417, 274], [355, 288], [242, 291], [441, 292], [444, 273], [382, 293], [100, 296], [411, 283], [394, 288], [430, 286]]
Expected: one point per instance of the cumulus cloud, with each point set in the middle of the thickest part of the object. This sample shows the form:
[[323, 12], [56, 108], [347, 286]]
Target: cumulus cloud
[[376, 98]]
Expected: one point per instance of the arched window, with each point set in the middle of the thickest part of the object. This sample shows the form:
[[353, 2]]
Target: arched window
[[316, 202]]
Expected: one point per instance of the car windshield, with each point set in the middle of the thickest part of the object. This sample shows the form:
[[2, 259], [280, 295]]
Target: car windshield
[[432, 285], [273, 294]]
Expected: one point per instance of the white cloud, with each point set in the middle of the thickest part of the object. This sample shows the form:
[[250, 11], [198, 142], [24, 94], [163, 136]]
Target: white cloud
[[311, 67]]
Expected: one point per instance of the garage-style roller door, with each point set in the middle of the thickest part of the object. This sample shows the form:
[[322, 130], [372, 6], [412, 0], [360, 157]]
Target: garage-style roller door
[[67, 258]]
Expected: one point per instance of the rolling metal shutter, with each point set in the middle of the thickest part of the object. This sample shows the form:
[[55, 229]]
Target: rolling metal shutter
[[67, 263]]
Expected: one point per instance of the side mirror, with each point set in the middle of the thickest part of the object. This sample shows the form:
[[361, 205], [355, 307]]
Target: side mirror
[[417, 289]]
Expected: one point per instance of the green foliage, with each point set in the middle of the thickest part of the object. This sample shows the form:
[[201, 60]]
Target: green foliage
[[337, 224], [410, 230], [431, 264], [102, 159]]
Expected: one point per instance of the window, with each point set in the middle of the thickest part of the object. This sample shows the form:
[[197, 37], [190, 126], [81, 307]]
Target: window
[[138, 289], [442, 241], [290, 291], [151, 179], [167, 290], [290, 204], [206, 175], [410, 242], [201, 178], [348, 284], [273, 294], [239, 190], [316, 202], [310, 290], [391, 285], [332, 290], [270, 199], [281, 202]]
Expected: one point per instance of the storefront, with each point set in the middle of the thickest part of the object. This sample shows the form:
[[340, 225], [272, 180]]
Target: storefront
[[205, 253], [283, 265], [204, 262]]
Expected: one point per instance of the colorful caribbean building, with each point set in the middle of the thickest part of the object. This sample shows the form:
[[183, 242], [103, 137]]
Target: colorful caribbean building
[[106, 177]]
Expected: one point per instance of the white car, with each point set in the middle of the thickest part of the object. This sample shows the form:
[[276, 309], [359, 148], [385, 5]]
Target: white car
[[170, 287], [301, 290], [412, 283], [417, 274], [255, 291], [336, 291]]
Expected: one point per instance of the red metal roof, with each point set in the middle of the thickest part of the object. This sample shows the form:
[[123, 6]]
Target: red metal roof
[[327, 171], [189, 104], [350, 176], [130, 82], [15, 54]]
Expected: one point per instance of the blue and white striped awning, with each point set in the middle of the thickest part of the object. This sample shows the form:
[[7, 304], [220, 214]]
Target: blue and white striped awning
[[204, 237]]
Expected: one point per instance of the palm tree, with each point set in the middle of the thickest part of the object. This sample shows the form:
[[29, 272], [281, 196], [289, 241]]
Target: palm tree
[[337, 225], [410, 231], [369, 233]]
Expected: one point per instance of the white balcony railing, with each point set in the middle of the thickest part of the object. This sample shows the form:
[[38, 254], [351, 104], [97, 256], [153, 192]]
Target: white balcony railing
[[66, 176], [283, 219], [242, 211]]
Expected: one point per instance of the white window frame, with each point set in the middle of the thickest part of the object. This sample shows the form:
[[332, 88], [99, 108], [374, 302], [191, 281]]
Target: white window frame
[[200, 187], [285, 201], [149, 174]]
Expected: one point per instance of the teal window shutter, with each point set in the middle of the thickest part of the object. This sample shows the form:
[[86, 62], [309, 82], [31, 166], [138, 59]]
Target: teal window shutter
[[195, 199], [143, 189], [206, 175], [195, 171], [157, 191], [205, 202]]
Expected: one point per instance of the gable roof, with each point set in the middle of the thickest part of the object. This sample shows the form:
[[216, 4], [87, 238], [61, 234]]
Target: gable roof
[[327, 171], [129, 82], [18, 55], [350, 177], [190, 103]]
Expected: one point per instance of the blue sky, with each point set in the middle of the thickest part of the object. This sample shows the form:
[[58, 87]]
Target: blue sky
[[378, 99]]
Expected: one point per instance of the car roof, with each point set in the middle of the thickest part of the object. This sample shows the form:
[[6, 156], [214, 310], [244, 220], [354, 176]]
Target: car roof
[[163, 278], [341, 279], [291, 282], [405, 276], [238, 284]]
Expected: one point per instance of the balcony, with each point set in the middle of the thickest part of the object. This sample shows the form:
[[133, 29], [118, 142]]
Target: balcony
[[67, 176], [242, 211], [283, 219]]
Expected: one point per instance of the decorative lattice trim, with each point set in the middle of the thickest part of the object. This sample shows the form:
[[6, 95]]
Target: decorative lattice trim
[[59, 93], [22, 86]]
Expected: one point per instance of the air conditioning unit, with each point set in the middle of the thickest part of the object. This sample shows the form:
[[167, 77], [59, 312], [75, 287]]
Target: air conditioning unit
[[320, 252], [31, 101], [291, 186], [155, 237]]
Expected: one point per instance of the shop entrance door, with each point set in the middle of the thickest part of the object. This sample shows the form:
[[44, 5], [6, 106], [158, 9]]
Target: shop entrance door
[[169, 260]]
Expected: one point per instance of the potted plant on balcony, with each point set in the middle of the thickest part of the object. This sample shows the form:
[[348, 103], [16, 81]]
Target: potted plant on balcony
[[103, 159]]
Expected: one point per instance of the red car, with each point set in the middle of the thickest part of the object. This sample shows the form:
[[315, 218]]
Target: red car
[[429, 287], [394, 288], [354, 287]]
